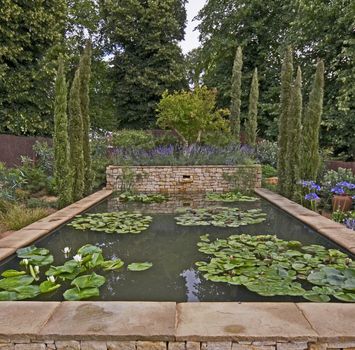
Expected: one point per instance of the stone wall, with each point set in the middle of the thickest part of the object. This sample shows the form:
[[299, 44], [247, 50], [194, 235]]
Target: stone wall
[[183, 179], [171, 345]]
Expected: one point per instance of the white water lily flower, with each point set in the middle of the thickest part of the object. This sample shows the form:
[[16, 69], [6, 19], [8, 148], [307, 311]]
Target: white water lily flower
[[78, 258], [51, 279], [36, 269], [25, 261], [66, 250]]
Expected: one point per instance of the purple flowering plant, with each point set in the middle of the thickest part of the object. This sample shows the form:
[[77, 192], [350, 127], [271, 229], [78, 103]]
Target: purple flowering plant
[[344, 188], [309, 193]]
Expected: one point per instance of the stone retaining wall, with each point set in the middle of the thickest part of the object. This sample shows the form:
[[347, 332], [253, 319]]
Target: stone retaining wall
[[181, 179], [159, 345]]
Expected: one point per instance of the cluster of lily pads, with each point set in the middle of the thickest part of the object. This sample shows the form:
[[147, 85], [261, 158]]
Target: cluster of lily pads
[[25, 283], [219, 217], [116, 222], [230, 197], [271, 266], [142, 198]]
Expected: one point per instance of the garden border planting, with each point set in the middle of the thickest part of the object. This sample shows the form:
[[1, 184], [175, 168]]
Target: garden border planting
[[181, 179]]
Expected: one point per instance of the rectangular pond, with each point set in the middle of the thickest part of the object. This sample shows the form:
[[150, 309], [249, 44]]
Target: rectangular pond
[[173, 251]]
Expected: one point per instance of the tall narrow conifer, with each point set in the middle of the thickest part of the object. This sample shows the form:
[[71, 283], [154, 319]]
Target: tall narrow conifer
[[60, 139], [311, 125], [286, 90], [251, 123], [76, 138], [236, 94], [294, 138], [85, 73]]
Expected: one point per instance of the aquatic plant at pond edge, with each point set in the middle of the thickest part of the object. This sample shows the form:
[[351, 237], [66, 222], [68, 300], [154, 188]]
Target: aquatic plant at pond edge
[[219, 217], [18, 285], [143, 198], [116, 222], [230, 197], [269, 266]]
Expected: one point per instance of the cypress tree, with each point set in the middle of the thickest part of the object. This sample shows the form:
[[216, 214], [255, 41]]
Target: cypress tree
[[85, 73], [311, 125], [294, 137], [60, 139], [76, 139], [236, 94], [285, 98], [251, 124]]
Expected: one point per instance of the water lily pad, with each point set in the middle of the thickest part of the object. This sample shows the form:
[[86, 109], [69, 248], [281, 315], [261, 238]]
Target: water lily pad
[[76, 294], [139, 266], [10, 283], [27, 292], [8, 296], [47, 287], [88, 281], [117, 222], [230, 197], [35, 256], [142, 198], [109, 265], [12, 273], [89, 249], [219, 217]]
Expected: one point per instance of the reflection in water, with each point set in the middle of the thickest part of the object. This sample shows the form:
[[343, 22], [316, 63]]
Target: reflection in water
[[173, 251], [192, 282]]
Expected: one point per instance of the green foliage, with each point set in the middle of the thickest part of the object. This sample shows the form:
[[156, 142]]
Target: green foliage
[[235, 94], [266, 152], [229, 197], [34, 178], [143, 38], [85, 74], [127, 138], [18, 216], [142, 198], [294, 138], [268, 171], [219, 217], [63, 179], [191, 114], [11, 180], [117, 222], [286, 94], [76, 139], [251, 123], [30, 38], [270, 266], [311, 126], [139, 266], [44, 156]]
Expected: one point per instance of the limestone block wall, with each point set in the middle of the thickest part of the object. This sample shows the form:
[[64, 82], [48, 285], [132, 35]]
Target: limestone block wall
[[183, 179], [172, 345]]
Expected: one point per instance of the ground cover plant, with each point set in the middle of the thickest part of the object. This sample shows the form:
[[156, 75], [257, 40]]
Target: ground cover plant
[[116, 222], [269, 266], [219, 217], [230, 197], [25, 283]]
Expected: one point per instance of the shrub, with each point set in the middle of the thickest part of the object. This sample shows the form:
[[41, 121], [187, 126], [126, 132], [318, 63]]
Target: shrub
[[191, 114], [44, 157], [35, 179], [268, 171], [133, 139], [266, 153], [10, 181], [18, 216]]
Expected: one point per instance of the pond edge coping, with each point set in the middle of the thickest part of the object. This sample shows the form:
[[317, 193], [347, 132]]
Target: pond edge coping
[[326, 227]]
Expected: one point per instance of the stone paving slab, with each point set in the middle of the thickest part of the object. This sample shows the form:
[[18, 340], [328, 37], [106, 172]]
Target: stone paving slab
[[21, 238], [334, 231], [241, 321], [5, 252], [40, 228], [21, 319], [332, 321], [112, 321]]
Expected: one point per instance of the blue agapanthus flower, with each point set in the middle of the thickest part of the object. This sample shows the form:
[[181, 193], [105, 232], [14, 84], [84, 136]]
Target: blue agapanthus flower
[[338, 190], [346, 184], [311, 196], [311, 185], [350, 223]]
